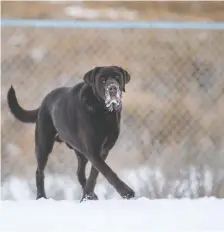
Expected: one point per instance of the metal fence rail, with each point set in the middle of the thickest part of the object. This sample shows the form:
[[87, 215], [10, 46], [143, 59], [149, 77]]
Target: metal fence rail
[[173, 107], [112, 24]]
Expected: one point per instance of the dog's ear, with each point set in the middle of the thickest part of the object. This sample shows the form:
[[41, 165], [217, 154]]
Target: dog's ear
[[89, 77], [126, 77]]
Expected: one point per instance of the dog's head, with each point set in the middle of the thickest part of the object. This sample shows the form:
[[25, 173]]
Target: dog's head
[[107, 84]]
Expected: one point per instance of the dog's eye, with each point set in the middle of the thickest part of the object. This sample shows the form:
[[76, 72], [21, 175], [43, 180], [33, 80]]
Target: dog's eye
[[103, 80]]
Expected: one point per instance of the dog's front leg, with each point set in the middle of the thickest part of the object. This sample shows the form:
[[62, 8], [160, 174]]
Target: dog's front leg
[[100, 165]]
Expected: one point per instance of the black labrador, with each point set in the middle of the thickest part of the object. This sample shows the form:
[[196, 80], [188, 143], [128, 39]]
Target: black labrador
[[87, 118]]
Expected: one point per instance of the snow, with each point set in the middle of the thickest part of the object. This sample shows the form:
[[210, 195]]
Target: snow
[[151, 182], [110, 13], [138, 215]]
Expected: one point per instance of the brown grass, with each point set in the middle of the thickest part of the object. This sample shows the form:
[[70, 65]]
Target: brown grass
[[181, 11]]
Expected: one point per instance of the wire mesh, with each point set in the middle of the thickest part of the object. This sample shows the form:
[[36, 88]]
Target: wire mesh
[[172, 133]]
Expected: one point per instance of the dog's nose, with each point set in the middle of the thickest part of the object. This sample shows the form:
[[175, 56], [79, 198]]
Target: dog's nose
[[112, 89]]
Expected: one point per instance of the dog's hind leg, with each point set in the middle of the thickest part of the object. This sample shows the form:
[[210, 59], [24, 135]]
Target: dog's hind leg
[[82, 161], [88, 191], [44, 141]]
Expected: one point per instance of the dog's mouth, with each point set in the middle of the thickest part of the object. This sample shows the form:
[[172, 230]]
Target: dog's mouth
[[113, 98]]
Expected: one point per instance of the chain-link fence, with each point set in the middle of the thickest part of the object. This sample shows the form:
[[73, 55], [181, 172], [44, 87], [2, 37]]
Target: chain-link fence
[[172, 135]]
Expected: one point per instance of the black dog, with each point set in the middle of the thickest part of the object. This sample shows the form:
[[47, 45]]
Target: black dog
[[87, 118]]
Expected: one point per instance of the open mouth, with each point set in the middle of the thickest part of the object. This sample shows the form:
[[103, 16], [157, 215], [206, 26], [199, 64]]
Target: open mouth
[[113, 100]]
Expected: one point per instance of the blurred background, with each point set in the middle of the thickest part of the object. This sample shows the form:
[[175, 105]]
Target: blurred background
[[172, 135]]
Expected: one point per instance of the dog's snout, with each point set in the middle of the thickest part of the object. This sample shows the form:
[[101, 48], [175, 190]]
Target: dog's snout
[[112, 88]]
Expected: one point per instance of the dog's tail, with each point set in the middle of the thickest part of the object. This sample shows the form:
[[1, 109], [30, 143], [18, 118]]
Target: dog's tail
[[28, 116]]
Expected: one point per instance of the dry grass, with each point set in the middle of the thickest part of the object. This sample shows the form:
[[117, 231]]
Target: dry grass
[[192, 11]]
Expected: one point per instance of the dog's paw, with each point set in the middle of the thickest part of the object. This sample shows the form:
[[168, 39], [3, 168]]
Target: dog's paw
[[128, 193], [39, 197], [89, 196]]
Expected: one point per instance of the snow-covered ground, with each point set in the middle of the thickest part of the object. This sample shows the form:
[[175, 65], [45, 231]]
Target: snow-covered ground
[[140, 215]]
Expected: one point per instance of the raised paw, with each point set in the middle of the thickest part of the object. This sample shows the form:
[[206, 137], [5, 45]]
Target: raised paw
[[89, 196], [128, 193]]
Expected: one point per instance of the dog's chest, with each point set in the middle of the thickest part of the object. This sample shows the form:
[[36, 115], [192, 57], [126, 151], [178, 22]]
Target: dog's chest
[[108, 122], [112, 129]]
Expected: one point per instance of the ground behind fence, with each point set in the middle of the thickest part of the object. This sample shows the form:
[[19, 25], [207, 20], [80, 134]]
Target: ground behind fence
[[172, 133]]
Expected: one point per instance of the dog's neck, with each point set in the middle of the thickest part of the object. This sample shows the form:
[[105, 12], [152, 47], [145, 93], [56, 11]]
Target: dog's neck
[[91, 94], [91, 98]]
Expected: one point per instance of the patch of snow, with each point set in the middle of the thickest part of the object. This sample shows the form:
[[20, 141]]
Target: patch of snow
[[113, 215], [145, 181], [37, 53], [80, 12], [20, 189], [110, 13], [208, 181]]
